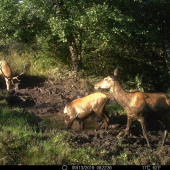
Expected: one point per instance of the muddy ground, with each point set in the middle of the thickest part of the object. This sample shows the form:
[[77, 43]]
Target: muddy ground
[[42, 98]]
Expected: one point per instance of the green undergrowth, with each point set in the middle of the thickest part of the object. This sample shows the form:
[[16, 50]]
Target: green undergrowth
[[116, 108], [21, 142], [41, 66]]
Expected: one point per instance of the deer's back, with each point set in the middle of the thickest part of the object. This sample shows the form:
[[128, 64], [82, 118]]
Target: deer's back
[[139, 99], [86, 104], [151, 104], [157, 100], [90, 100]]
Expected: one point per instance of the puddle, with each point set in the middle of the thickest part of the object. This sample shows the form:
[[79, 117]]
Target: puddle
[[54, 121], [58, 122]]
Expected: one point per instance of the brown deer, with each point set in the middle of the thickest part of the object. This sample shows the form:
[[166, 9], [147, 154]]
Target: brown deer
[[139, 105], [80, 122], [5, 71], [80, 109]]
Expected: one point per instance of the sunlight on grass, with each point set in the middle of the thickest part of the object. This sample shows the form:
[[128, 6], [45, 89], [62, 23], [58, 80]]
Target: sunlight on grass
[[20, 144]]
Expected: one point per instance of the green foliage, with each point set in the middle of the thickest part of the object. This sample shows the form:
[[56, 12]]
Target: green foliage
[[8, 21], [116, 108], [130, 34]]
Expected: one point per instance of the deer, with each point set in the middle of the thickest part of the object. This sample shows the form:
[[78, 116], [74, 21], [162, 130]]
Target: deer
[[5, 71], [80, 122], [81, 108], [139, 106]]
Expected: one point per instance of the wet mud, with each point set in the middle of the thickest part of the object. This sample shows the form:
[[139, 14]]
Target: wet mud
[[43, 100]]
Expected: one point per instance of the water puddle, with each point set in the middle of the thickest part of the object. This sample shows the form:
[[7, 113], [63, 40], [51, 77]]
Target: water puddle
[[54, 122], [59, 123]]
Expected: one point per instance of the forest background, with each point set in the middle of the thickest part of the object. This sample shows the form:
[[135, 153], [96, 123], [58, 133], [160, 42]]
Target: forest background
[[90, 37]]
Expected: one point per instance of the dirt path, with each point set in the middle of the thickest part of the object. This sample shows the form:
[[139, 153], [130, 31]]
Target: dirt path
[[44, 99]]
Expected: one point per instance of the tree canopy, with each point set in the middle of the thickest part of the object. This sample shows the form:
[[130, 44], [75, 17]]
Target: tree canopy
[[97, 36]]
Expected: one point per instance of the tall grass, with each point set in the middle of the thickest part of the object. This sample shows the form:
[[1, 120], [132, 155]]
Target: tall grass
[[34, 64]]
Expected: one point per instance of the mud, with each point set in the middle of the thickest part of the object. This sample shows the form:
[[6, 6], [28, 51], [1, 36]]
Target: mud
[[42, 98]]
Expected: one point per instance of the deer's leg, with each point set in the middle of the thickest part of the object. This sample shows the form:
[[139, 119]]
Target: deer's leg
[[165, 122], [143, 124], [129, 122], [80, 123], [106, 123], [70, 123], [7, 83], [126, 131], [106, 114], [104, 118], [165, 135], [100, 125]]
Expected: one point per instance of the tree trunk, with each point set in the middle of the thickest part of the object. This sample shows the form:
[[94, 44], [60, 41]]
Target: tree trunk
[[167, 56], [75, 56]]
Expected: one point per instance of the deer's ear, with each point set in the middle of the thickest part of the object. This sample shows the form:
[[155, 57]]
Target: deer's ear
[[116, 72], [63, 98], [111, 76], [74, 97]]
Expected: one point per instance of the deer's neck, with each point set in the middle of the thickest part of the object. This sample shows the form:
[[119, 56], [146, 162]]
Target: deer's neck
[[120, 94]]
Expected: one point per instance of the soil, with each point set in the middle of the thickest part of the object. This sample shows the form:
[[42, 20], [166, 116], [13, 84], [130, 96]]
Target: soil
[[42, 98]]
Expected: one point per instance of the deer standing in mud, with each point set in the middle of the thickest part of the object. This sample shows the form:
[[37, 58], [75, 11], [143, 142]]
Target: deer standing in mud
[[5, 71], [139, 105], [80, 109]]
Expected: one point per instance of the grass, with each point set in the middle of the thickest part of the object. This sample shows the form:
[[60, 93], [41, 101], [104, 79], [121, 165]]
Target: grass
[[21, 144], [116, 108]]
